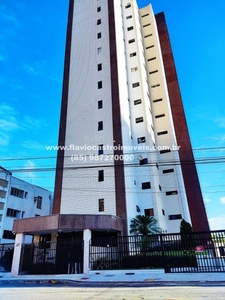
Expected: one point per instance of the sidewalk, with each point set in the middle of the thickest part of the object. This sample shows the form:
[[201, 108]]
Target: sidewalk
[[141, 276]]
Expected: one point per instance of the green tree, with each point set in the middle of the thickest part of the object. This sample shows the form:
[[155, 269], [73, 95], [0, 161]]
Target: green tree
[[188, 238], [144, 225], [185, 227]]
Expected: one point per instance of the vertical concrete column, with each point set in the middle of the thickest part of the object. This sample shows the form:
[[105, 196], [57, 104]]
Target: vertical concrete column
[[86, 238], [17, 252]]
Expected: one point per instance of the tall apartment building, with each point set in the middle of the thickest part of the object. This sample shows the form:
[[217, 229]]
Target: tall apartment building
[[128, 150], [125, 143]]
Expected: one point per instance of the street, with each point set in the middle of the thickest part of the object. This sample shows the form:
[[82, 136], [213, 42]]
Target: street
[[113, 293]]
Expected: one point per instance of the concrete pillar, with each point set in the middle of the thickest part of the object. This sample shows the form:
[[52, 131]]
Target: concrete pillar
[[86, 238], [17, 253]]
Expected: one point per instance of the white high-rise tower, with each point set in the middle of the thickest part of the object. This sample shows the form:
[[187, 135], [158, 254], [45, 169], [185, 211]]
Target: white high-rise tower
[[127, 148]]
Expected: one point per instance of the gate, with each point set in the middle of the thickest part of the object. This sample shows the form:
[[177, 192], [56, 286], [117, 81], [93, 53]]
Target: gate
[[193, 252], [6, 256], [52, 258]]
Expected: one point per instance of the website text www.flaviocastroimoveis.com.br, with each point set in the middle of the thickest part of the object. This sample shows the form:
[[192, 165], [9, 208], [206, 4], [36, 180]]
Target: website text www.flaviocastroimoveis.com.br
[[127, 154]]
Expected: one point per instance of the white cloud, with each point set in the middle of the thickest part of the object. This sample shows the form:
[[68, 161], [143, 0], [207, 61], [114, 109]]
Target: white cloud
[[32, 145], [206, 200], [222, 200], [30, 70], [217, 223], [220, 122], [8, 16], [30, 165], [31, 123], [12, 122]]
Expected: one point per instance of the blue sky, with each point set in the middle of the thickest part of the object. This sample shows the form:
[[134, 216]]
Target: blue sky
[[32, 43]]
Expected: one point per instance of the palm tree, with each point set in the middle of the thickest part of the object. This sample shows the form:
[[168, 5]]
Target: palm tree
[[144, 225]]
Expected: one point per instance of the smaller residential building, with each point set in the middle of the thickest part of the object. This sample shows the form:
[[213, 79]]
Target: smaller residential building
[[20, 199]]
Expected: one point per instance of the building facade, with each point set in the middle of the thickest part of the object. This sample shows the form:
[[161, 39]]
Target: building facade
[[125, 143], [128, 151], [19, 200]]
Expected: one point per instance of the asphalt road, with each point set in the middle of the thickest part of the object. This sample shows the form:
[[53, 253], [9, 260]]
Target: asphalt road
[[113, 293]]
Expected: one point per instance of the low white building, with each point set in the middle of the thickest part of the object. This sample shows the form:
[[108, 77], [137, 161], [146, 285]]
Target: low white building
[[20, 199]]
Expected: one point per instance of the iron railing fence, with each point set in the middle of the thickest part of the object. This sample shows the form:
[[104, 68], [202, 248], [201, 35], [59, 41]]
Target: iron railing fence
[[6, 256], [52, 258], [192, 252]]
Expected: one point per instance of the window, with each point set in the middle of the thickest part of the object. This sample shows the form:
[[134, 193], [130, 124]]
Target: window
[[3, 183], [138, 101], [162, 132], [22, 214], [169, 193], [7, 234], [98, 8], [146, 25], [99, 50], [100, 149], [149, 47], [128, 5], [136, 84], [153, 72], [2, 194], [134, 69], [99, 21], [99, 35], [148, 35], [1, 205], [100, 104], [99, 67], [100, 204], [159, 116], [101, 175], [163, 212], [145, 185], [141, 140], [26, 193], [99, 84], [157, 100], [12, 213], [143, 161], [145, 15], [0, 217], [130, 28], [16, 192], [131, 41], [139, 120], [133, 54], [149, 212], [175, 217], [128, 17], [39, 202], [100, 125], [155, 85], [152, 58], [168, 171], [164, 151]]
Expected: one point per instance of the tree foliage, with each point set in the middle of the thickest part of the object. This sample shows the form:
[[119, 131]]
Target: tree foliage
[[144, 225], [185, 227]]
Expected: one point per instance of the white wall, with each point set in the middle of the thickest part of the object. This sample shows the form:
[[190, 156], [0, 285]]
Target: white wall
[[26, 206]]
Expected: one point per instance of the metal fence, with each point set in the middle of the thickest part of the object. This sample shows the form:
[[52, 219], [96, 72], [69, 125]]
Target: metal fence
[[52, 258], [6, 256], [193, 252]]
